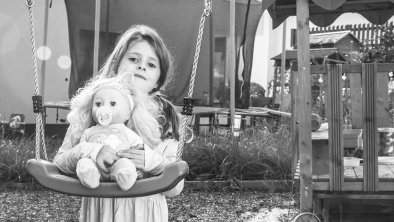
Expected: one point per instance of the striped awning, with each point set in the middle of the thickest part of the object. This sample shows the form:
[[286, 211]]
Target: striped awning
[[325, 12]]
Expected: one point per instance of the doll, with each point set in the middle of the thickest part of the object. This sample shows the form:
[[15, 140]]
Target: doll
[[112, 112]]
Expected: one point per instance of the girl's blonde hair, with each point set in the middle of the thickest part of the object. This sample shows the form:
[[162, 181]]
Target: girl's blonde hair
[[144, 117]]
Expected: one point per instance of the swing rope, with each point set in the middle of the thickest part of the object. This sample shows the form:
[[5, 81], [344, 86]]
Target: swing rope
[[37, 99], [187, 110], [48, 174]]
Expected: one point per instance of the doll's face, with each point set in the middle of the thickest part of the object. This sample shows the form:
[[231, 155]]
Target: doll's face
[[115, 102]]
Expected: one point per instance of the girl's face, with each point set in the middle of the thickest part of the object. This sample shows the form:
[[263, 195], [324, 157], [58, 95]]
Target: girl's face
[[141, 61]]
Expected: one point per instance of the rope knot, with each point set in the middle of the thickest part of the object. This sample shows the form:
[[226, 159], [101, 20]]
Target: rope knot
[[29, 3], [188, 106], [37, 104]]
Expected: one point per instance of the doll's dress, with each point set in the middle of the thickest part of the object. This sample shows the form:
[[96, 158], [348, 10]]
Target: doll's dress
[[118, 136], [123, 171], [113, 135]]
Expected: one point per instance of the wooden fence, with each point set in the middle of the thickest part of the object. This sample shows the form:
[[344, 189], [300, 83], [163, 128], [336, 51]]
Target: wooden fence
[[366, 33]]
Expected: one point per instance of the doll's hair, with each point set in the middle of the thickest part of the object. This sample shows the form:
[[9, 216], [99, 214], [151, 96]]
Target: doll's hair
[[131, 36], [144, 115]]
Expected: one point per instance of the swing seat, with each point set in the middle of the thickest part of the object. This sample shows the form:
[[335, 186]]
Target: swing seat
[[48, 175]]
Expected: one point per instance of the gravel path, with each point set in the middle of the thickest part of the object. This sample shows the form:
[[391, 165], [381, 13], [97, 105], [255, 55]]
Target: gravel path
[[252, 206]]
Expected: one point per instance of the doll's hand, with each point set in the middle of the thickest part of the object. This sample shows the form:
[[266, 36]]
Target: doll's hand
[[135, 154], [105, 177], [106, 158]]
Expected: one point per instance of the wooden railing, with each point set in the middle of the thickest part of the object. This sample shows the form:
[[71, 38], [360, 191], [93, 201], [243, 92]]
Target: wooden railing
[[369, 95]]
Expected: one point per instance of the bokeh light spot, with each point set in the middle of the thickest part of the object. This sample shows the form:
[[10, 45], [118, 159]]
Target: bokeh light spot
[[44, 52], [64, 62]]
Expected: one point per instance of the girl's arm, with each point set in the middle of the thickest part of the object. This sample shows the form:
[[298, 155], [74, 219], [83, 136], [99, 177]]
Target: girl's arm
[[169, 148], [154, 161], [74, 149]]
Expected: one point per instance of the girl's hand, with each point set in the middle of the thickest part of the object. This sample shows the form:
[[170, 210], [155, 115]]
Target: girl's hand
[[106, 157], [136, 154]]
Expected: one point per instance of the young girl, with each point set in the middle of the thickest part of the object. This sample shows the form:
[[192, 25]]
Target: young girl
[[141, 52]]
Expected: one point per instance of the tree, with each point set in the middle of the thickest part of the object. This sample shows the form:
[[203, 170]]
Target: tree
[[383, 52]]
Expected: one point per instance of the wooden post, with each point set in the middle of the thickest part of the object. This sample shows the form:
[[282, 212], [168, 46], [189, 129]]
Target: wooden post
[[44, 43], [283, 66], [382, 115], [232, 65], [274, 85], [370, 144], [335, 123], [304, 109], [295, 101], [356, 103], [211, 61], [96, 37]]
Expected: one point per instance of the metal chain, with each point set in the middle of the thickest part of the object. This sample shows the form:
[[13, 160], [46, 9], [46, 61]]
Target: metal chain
[[186, 118], [39, 125]]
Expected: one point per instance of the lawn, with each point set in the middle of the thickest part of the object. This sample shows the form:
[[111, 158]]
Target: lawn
[[190, 205]]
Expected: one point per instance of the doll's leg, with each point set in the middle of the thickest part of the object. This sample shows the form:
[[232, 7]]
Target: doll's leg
[[125, 173], [88, 173]]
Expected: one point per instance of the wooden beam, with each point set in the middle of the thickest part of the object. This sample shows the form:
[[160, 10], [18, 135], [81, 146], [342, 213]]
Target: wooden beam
[[356, 102], [295, 100], [352, 68], [232, 65], [370, 151], [96, 37], [283, 66], [382, 115], [44, 43], [304, 111], [335, 123], [352, 186], [212, 60]]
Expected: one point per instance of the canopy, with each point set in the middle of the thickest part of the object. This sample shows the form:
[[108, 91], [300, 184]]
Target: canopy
[[325, 12], [176, 20]]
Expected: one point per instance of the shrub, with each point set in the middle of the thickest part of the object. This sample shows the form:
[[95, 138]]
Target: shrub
[[14, 155], [261, 152], [258, 153]]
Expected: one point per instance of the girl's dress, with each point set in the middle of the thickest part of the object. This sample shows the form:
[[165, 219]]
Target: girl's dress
[[141, 209]]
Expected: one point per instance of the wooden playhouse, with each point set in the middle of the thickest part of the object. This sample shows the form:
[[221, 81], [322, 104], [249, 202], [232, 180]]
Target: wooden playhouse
[[355, 180]]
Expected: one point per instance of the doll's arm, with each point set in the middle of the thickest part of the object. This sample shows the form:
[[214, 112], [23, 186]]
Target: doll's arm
[[70, 152]]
